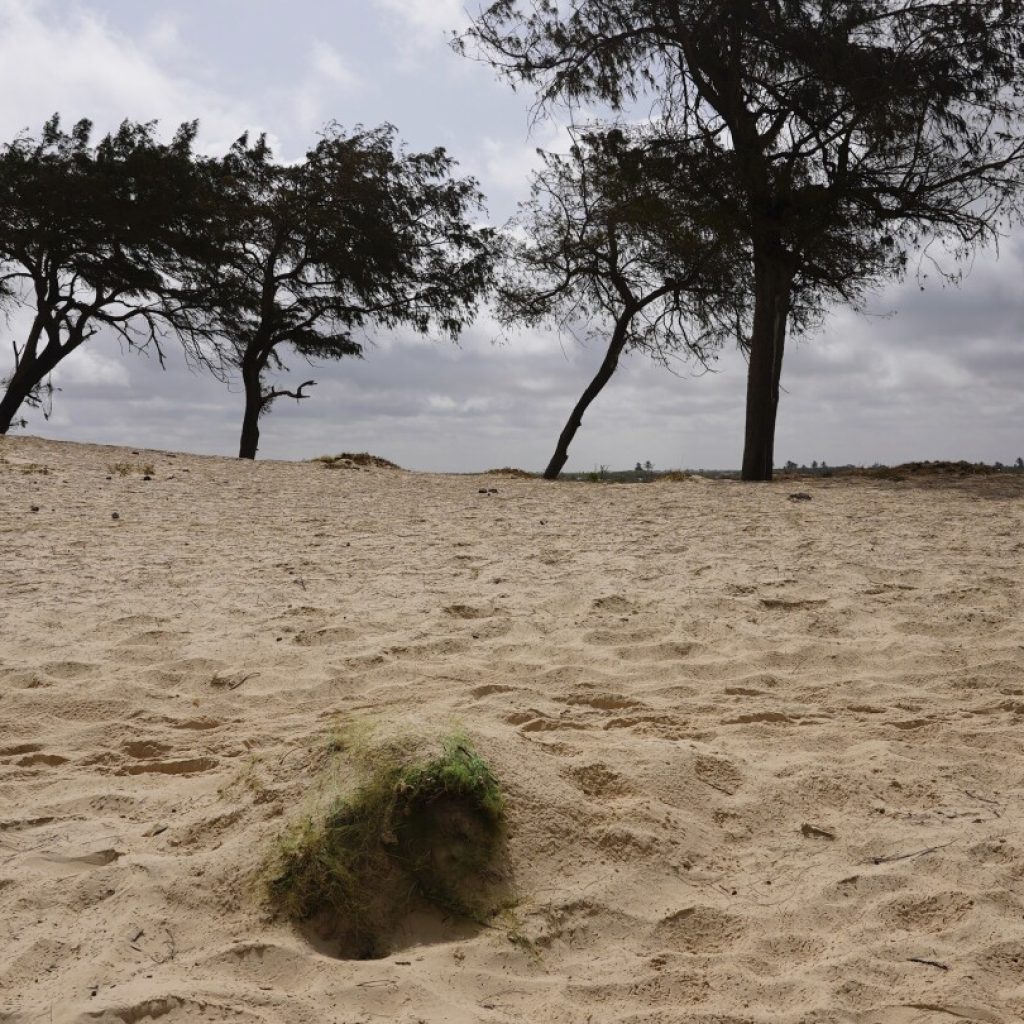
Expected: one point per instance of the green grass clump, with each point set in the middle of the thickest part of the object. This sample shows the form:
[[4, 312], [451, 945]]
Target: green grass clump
[[429, 831]]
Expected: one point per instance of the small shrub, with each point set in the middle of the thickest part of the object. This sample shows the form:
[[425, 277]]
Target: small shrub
[[346, 460], [430, 830]]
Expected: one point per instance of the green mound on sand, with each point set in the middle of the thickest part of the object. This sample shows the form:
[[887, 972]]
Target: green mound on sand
[[412, 832]]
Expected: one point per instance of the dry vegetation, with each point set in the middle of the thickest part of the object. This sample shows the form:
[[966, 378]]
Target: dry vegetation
[[350, 460]]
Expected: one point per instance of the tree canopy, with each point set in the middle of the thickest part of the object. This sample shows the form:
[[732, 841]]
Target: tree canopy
[[612, 242], [843, 133], [358, 235], [91, 238]]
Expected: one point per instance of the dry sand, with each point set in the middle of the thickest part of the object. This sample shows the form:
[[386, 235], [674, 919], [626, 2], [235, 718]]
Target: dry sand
[[763, 758]]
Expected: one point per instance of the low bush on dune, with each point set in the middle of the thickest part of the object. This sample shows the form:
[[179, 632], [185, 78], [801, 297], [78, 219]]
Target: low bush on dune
[[127, 468], [412, 831], [346, 460]]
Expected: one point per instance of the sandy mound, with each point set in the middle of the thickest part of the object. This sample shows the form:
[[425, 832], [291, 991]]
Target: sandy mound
[[762, 758]]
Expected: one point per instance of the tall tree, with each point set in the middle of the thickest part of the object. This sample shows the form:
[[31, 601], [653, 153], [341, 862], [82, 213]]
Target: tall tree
[[90, 239], [358, 235], [848, 132], [612, 242]]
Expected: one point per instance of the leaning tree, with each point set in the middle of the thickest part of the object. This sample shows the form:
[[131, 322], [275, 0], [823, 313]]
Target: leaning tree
[[878, 124], [613, 243], [91, 239], [358, 235]]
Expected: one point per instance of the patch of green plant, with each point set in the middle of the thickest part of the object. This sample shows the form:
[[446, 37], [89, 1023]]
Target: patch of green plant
[[429, 830]]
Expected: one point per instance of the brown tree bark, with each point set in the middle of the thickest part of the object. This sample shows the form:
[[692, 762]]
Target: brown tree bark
[[603, 375], [773, 283], [34, 366], [250, 439]]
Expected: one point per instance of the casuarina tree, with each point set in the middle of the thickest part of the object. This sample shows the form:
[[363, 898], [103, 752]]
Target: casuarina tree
[[848, 133], [91, 238], [356, 236], [613, 243]]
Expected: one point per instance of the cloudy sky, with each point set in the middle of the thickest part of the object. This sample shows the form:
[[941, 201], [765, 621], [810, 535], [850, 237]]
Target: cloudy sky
[[926, 374]]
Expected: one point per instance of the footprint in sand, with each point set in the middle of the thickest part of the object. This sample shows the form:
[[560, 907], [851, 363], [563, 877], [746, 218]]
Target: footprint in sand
[[602, 701], [718, 773], [63, 864], [487, 689], [324, 637], [69, 669], [616, 637], [50, 760], [698, 929], [19, 748], [929, 914], [144, 749], [468, 611], [674, 650], [598, 780]]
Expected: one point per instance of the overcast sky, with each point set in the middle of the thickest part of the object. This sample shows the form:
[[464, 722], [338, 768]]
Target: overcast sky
[[926, 374]]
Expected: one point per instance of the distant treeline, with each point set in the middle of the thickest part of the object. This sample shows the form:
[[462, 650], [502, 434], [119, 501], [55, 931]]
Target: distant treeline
[[795, 156]]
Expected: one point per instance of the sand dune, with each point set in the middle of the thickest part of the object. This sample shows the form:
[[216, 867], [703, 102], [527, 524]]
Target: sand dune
[[763, 758]]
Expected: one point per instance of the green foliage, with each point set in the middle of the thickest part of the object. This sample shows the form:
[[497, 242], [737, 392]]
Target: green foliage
[[617, 238], [833, 139], [412, 829], [357, 236], [92, 236]]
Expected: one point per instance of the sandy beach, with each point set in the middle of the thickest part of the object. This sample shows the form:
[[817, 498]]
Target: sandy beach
[[762, 758]]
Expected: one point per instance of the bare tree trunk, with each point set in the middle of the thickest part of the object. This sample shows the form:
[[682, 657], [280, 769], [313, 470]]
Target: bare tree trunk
[[603, 375], [250, 439], [772, 293], [32, 369]]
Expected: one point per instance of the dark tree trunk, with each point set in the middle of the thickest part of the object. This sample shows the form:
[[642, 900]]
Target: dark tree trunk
[[33, 368], [603, 375], [250, 439], [773, 284]]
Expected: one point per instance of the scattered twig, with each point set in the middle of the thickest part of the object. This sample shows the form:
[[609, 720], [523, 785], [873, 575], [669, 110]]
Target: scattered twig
[[288, 753], [817, 831], [907, 856], [927, 963], [985, 800], [225, 683], [714, 785]]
